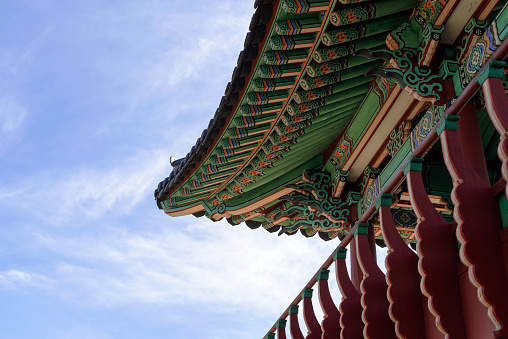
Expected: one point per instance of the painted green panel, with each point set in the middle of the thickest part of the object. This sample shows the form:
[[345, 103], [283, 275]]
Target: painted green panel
[[362, 119], [503, 206], [502, 22], [396, 162], [486, 127]]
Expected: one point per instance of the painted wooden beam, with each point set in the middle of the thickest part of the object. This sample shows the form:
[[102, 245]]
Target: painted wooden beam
[[285, 57], [278, 71], [254, 110], [460, 17], [346, 15], [298, 26], [304, 6], [289, 42], [347, 78], [247, 121], [342, 64], [275, 84], [321, 55], [259, 98], [375, 139], [295, 108], [358, 31]]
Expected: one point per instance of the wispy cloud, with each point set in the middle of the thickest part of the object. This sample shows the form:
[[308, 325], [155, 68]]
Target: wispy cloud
[[88, 193], [17, 279], [203, 263], [213, 43]]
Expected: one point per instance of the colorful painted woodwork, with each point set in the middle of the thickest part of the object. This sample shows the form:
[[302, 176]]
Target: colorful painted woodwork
[[329, 128]]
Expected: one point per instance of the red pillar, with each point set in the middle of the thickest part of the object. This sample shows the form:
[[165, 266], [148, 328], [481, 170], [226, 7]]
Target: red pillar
[[350, 307], [294, 326], [309, 316], [281, 329], [374, 299], [331, 321], [438, 258], [479, 223], [402, 278]]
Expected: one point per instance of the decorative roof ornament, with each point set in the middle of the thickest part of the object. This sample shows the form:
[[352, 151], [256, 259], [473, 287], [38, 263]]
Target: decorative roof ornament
[[315, 208], [174, 161], [402, 66]]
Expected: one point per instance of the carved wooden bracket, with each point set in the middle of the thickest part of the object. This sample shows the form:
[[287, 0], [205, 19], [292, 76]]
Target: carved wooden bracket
[[294, 326], [438, 257], [331, 320], [350, 308], [315, 206], [496, 103], [479, 223], [402, 277], [403, 67], [309, 316], [375, 304], [281, 329]]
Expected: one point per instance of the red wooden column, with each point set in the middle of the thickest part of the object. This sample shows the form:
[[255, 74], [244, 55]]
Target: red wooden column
[[310, 317], [479, 223], [331, 320], [374, 300], [496, 103], [438, 257], [281, 329], [350, 307], [356, 271], [294, 326], [402, 277]]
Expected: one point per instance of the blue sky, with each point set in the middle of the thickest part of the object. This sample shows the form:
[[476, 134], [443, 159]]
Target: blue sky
[[95, 96]]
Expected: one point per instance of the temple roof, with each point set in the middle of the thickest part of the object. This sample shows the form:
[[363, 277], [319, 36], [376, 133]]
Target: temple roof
[[308, 96]]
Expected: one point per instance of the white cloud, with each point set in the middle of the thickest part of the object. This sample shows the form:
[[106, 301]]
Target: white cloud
[[381, 254], [205, 263], [92, 193], [213, 43], [17, 279], [88, 194]]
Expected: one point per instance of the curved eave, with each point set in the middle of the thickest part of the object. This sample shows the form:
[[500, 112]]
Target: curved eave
[[209, 142], [254, 42], [300, 101]]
